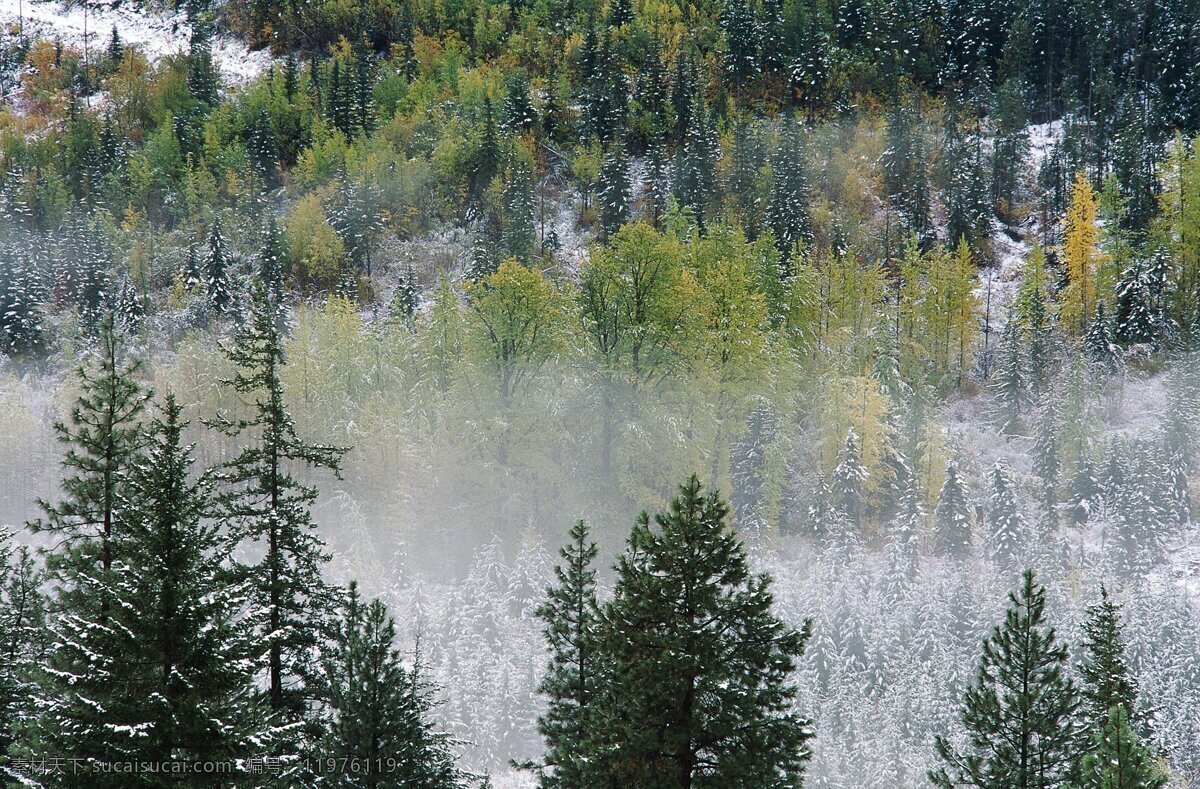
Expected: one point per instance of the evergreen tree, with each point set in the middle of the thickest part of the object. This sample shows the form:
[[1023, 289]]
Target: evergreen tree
[[849, 479], [1135, 314], [519, 232], [22, 638], [741, 41], [378, 710], [265, 505], [1010, 387], [570, 684], [170, 676], [216, 270], [1011, 146], [1006, 527], [787, 209], [614, 191], [102, 437], [715, 706], [695, 172], [203, 81], [952, 516], [271, 261], [1106, 682], [1047, 462], [1118, 759], [519, 115], [1099, 345], [904, 163], [1019, 714]]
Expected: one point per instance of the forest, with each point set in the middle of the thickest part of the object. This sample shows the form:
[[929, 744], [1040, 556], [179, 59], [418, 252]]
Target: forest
[[600, 393]]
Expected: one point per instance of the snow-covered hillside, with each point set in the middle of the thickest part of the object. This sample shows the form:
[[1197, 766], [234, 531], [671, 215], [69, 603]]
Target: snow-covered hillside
[[154, 33]]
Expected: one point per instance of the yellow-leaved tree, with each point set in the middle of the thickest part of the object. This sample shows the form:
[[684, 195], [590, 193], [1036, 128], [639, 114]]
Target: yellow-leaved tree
[[1081, 255]]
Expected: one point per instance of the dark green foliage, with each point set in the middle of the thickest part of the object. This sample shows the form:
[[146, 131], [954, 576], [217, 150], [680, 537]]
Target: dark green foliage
[[171, 674], [1104, 675], [218, 284], [614, 191], [952, 516], [266, 506], [716, 708], [377, 708], [22, 637], [1019, 713], [905, 170], [103, 436], [787, 211], [571, 681], [1118, 760], [519, 235], [849, 480], [1007, 538], [519, 114], [1099, 345], [1010, 386]]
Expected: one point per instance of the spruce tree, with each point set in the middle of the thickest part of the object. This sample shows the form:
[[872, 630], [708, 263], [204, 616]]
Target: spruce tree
[[570, 684], [377, 709], [177, 680], [714, 706], [22, 637], [952, 516], [614, 191], [787, 209], [849, 479], [265, 505], [102, 438], [1105, 678], [217, 282], [1006, 528], [1099, 345], [1117, 759], [1010, 387], [1019, 715], [519, 232], [519, 115]]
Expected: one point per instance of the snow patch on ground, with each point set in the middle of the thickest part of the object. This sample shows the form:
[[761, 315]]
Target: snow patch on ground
[[153, 33]]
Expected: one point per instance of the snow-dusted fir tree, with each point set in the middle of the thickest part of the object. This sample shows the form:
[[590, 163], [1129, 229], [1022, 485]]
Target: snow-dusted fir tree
[[1135, 317], [741, 41], [102, 437], [1104, 673], [171, 676], [1099, 345], [905, 169], [267, 507], [963, 175], [20, 303], [272, 257], [218, 282], [849, 480], [1117, 757], [787, 213], [952, 516], [613, 190], [22, 636], [1019, 715], [377, 711], [748, 457], [1047, 461], [1007, 538], [519, 114], [1142, 505], [570, 684], [519, 229], [1010, 383]]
